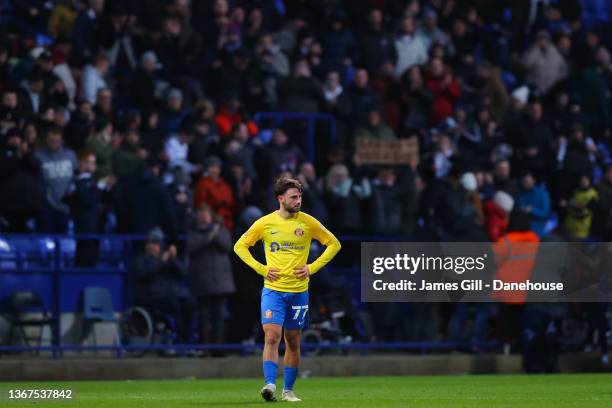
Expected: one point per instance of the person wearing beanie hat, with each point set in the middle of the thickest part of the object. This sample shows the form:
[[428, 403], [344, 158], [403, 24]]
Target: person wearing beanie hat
[[504, 201], [158, 274], [470, 185], [521, 95], [497, 214], [468, 182]]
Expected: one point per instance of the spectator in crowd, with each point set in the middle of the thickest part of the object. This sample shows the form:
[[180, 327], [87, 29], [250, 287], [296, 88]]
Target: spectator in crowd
[[313, 200], [580, 209], [213, 190], [79, 127], [100, 144], [93, 78], [240, 149], [103, 107], [152, 136], [146, 84], [158, 274], [416, 99], [86, 27], [31, 96], [177, 147], [210, 273], [429, 31], [131, 194], [281, 154], [59, 165], [470, 185], [174, 113], [301, 92], [22, 192], [533, 200], [85, 198], [361, 96], [339, 45], [533, 139], [345, 198], [230, 114], [385, 206], [544, 64], [444, 89], [497, 214], [377, 46], [374, 127], [274, 64], [411, 49], [128, 158]]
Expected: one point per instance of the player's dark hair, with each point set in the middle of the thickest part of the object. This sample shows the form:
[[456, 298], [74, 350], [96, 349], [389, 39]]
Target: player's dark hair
[[283, 184]]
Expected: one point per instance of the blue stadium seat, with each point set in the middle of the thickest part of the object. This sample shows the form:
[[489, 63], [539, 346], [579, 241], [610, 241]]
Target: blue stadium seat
[[67, 251], [33, 252], [112, 252], [8, 257], [97, 307]]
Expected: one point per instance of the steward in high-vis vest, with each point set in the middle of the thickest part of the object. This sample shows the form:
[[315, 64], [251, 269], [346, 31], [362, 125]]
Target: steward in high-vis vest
[[515, 255]]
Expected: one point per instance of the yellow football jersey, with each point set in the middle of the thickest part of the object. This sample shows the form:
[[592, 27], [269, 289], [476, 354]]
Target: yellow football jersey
[[287, 244]]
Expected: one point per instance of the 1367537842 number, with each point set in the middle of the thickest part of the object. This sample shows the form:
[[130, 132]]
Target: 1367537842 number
[[40, 394]]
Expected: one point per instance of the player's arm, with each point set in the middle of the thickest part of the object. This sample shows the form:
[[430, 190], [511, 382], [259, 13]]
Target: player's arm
[[247, 240], [325, 237]]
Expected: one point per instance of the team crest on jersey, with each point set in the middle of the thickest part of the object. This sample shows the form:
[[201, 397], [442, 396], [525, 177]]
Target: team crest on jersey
[[268, 314], [298, 232]]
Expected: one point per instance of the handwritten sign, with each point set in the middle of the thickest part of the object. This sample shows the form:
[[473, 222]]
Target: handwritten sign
[[387, 151]]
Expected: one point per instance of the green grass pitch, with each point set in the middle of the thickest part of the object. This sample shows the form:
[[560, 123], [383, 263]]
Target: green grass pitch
[[541, 391]]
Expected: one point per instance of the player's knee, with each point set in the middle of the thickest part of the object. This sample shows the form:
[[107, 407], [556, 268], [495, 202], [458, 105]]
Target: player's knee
[[272, 337], [292, 342]]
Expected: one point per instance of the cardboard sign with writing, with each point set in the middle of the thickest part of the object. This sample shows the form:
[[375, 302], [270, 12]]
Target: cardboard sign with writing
[[387, 151]]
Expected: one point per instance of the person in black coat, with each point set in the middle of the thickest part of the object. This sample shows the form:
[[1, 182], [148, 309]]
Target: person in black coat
[[22, 191], [158, 277], [142, 202], [377, 45], [210, 271], [85, 197]]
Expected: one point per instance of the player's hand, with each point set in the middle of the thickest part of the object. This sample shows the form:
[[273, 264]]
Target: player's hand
[[273, 274], [302, 272]]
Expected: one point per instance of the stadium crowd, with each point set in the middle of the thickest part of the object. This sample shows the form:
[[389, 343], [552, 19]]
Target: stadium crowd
[[127, 115]]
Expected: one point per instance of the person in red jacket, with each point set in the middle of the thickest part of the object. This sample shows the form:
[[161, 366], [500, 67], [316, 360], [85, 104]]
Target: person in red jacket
[[497, 214], [445, 91], [214, 191], [231, 114]]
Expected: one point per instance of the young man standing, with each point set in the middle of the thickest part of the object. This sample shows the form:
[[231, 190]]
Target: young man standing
[[286, 233]]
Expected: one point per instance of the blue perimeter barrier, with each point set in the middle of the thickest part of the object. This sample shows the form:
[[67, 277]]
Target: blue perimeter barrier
[[60, 286]]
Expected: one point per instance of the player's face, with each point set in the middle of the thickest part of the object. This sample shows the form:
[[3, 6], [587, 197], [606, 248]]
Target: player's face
[[291, 201]]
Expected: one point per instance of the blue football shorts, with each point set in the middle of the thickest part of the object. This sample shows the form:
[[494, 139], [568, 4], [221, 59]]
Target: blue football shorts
[[287, 309]]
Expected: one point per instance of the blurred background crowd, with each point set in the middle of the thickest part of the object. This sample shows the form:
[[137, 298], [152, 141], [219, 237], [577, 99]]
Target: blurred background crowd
[[137, 116]]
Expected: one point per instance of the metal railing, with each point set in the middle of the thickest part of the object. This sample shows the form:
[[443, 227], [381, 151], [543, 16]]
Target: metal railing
[[278, 118], [59, 267]]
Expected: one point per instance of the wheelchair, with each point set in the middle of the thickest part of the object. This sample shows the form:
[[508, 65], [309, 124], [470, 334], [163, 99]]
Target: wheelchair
[[141, 328]]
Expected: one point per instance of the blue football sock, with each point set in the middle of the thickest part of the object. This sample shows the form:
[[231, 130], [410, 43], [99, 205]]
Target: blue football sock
[[290, 376], [269, 371]]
